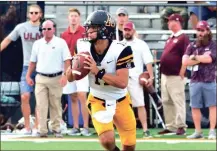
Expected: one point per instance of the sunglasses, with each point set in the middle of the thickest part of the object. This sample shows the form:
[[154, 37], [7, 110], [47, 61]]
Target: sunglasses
[[36, 13], [46, 29]]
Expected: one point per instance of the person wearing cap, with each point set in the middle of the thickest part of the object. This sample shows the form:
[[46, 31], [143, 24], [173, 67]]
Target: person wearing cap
[[122, 18], [172, 78], [167, 11], [201, 56], [207, 12], [142, 55]]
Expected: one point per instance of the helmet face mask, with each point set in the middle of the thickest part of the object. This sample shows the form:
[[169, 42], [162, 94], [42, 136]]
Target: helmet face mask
[[104, 24]]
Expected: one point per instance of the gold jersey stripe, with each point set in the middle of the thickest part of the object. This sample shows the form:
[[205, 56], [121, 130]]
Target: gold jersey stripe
[[129, 60], [125, 58]]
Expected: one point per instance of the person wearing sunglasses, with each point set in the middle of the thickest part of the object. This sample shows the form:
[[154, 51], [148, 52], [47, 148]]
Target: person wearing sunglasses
[[29, 33], [76, 89], [49, 55]]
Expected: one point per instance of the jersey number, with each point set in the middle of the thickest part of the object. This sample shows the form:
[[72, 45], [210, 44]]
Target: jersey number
[[98, 83]]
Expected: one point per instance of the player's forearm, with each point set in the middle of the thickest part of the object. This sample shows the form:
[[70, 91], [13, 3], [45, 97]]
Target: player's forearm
[[66, 65], [70, 77], [150, 70], [182, 70], [31, 68], [186, 61], [116, 81], [4, 43], [203, 58]]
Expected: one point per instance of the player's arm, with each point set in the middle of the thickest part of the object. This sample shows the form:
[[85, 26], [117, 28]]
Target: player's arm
[[148, 60], [120, 79], [124, 62], [187, 59], [13, 36], [5, 43], [207, 57], [31, 68], [69, 74]]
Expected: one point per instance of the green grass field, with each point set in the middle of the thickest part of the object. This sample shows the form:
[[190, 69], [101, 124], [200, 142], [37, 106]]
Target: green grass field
[[164, 142]]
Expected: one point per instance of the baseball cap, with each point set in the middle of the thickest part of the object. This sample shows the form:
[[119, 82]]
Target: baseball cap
[[129, 25], [175, 17], [122, 10], [203, 25]]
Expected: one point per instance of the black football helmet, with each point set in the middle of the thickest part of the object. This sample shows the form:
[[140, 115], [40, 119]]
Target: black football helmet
[[104, 23]]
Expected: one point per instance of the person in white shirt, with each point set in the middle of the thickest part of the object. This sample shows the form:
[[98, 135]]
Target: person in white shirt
[[49, 55], [142, 55], [28, 32]]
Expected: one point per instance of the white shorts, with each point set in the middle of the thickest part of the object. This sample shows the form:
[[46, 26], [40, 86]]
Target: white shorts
[[77, 86], [136, 92]]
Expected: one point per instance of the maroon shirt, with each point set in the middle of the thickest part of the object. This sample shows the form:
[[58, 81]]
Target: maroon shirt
[[206, 71], [171, 59], [71, 38]]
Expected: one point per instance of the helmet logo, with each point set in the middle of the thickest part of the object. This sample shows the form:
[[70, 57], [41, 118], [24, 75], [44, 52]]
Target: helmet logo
[[109, 21]]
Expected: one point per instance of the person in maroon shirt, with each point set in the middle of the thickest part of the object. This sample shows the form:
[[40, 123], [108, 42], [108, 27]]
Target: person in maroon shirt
[[201, 55], [172, 78], [77, 89]]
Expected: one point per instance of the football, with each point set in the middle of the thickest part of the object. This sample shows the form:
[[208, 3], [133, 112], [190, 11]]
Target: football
[[78, 69], [143, 78]]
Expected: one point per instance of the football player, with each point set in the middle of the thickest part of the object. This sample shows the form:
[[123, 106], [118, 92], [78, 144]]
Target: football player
[[108, 101]]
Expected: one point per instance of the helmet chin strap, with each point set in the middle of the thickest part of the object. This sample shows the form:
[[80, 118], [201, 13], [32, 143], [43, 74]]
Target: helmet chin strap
[[92, 41]]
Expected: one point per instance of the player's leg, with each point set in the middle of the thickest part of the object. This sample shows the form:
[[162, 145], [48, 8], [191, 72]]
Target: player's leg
[[125, 123], [75, 110], [82, 89], [35, 127], [55, 93], [176, 89], [209, 93], [70, 89], [103, 126], [196, 104], [168, 106], [25, 97], [82, 96], [41, 95], [137, 96]]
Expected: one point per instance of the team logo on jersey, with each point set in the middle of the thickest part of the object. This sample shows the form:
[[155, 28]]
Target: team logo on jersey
[[109, 61], [175, 40], [206, 49], [128, 65]]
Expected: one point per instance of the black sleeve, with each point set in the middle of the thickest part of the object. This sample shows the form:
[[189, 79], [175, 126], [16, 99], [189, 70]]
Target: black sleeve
[[125, 59]]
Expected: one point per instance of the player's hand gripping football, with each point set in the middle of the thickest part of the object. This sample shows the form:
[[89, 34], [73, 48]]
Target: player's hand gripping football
[[91, 65]]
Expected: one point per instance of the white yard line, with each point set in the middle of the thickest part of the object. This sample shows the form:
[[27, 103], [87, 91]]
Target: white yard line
[[15, 138]]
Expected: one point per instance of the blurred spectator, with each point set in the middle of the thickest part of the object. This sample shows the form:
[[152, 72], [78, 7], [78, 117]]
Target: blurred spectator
[[49, 55], [201, 55], [172, 78], [28, 32], [77, 89], [122, 17], [142, 55], [207, 12], [167, 11]]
